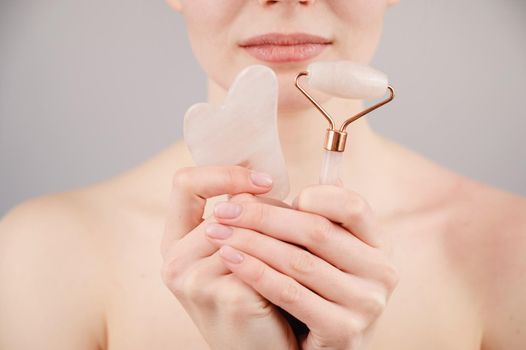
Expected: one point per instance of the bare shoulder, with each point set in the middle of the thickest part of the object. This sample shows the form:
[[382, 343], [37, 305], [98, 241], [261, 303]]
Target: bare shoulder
[[488, 241], [505, 252], [50, 275], [63, 258]]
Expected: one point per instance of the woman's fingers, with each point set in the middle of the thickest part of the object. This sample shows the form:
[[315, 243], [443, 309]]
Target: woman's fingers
[[184, 254], [342, 206], [319, 235], [193, 185], [193, 246], [338, 286], [191, 281], [309, 270], [210, 285], [327, 321]]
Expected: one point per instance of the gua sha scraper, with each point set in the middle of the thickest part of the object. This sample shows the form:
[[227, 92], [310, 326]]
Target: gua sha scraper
[[242, 131], [344, 79]]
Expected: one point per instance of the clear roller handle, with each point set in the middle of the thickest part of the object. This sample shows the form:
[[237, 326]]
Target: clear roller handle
[[330, 168]]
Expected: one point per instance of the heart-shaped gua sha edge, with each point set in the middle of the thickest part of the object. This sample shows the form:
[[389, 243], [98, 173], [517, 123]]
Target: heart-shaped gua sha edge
[[242, 131]]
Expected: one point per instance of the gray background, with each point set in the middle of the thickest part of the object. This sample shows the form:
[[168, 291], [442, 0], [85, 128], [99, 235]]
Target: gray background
[[90, 88]]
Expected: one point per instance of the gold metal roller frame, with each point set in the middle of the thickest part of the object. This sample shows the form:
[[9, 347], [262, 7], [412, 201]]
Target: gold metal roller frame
[[335, 139]]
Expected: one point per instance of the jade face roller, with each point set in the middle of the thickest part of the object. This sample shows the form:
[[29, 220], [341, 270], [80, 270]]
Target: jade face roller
[[243, 131], [347, 80]]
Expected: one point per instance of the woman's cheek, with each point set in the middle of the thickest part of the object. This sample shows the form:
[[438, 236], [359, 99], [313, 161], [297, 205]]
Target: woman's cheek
[[212, 12], [209, 23], [205, 47], [358, 11], [360, 27]]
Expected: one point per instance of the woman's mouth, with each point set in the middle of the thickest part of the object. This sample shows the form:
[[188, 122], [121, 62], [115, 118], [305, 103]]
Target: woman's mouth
[[280, 48]]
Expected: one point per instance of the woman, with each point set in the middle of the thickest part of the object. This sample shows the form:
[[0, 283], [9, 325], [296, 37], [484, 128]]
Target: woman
[[403, 255]]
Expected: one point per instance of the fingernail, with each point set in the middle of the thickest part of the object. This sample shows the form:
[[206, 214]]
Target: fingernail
[[260, 179], [218, 231], [231, 254], [227, 210]]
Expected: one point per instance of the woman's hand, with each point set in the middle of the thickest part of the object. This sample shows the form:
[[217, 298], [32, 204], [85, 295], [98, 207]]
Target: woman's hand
[[228, 313], [338, 287]]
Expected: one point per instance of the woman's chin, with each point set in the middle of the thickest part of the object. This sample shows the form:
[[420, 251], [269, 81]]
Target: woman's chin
[[291, 99]]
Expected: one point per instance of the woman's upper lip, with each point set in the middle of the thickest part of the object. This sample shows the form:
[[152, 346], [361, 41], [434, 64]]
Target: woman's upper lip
[[284, 39]]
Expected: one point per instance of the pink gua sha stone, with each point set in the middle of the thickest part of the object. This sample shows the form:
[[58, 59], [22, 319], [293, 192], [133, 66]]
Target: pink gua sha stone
[[242, 131]]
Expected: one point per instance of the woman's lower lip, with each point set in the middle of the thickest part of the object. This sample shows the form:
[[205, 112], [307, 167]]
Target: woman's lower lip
[[285, 53]]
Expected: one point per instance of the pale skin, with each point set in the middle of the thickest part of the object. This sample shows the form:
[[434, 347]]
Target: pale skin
[[404, 254]]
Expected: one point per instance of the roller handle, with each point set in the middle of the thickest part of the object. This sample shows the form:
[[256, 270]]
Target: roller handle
[[330, 168]]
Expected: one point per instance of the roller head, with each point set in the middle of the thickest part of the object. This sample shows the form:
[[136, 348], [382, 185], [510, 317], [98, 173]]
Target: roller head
[[347, 79]]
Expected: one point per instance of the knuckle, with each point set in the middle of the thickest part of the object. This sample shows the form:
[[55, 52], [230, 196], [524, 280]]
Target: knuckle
[[246, 239], [349, 332], [259, 274], [228, 299], [202, 295], [175, 279], [321, 231], [390, 277], [231, 177], [233, 300], [182, 177], [289, 294], [375, 304], [188, 285], [191, 287], [302, 261], [225, 297], [356, 208], [171, 270], [260, 213], [353, 326], [304, 198]]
